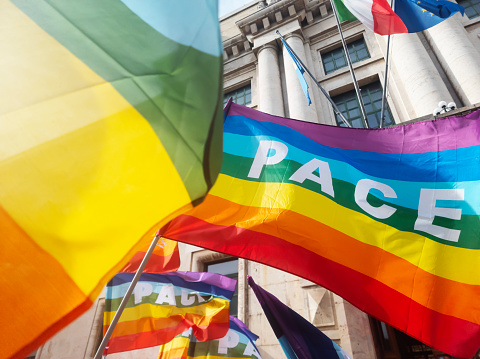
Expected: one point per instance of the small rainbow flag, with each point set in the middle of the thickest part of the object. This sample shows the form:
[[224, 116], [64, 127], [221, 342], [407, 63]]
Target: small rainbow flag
[[165, 305], [165, 258], [388, 219], [238, 343]]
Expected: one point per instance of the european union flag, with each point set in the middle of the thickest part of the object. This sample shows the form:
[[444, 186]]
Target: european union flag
[[419, 15]]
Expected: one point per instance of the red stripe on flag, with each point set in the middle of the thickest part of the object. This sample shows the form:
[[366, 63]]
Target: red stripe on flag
[[385, 20], [153, 338], [455, 336]]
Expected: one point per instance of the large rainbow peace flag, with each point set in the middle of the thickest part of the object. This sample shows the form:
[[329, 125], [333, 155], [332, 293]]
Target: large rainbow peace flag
[[388, 219], [110, 124], [165, 305]]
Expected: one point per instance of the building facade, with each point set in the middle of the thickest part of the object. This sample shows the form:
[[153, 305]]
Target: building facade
[[439, 64]]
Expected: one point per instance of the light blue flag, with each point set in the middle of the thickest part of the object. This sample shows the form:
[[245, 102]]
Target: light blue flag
[[299, 69]]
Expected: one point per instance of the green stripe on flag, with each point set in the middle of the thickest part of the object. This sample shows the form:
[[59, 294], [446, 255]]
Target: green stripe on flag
[[343, 13], [168, 83], [403, 219]]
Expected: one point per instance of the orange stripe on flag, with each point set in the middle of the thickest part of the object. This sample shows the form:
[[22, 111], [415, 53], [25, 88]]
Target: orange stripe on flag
[[364, 258], [58, 301]]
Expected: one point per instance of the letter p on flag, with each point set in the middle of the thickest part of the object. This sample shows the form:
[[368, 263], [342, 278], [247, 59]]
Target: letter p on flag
[[264, 156]]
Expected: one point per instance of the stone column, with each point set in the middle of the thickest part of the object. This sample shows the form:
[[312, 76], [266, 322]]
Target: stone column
[[297, 102], [417, 73], [458, 57], [269, 84]]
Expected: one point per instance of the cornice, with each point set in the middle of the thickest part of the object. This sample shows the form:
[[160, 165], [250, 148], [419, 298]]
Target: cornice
[[270, 17]]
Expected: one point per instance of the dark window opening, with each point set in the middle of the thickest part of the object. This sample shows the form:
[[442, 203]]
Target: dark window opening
[[335, 59], [241, 96], [228, 268], [349, 106], [472, 8]]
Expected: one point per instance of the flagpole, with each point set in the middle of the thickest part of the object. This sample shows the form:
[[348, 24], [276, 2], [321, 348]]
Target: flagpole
[[130, 289], [325, 93], [347, 55], [384, 96], [385, 79]]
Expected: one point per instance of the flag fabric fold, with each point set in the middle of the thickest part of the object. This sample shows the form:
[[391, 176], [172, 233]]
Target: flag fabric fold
[[165, 258], [388, 218], [298, 337], [110, 125], [407, 16], [300, 72], [239, 342], [165, 305]]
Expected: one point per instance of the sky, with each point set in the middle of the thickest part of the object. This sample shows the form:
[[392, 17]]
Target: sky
[[227, 6]]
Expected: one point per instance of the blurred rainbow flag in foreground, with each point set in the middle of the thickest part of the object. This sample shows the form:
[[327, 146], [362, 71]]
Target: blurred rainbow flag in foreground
[[110, 125], [165, 305], [238, 343], [388, 219]]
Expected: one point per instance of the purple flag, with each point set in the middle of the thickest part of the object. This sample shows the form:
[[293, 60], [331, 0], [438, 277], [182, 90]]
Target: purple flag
[[298, 337]]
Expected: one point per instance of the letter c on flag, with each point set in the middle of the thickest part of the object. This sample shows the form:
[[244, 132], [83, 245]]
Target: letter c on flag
[[361, 192]]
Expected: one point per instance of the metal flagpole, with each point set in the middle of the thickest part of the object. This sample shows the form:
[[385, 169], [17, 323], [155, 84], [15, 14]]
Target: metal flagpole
[[382, 113], [347, 55], [335, 108], [130, 289], [384, 97]]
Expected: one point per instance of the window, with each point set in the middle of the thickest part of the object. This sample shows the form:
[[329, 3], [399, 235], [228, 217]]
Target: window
[[348, 104], [335, 59], [472, 8], [228, 268], [241, 96]]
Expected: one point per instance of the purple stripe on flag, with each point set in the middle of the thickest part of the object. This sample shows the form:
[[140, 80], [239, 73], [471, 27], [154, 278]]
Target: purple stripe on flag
[[442, 134], [209, 278]]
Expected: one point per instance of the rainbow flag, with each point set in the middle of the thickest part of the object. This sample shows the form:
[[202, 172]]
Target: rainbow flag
[[110, 125], [239, 342], [165, 258], [388, 219], [165, 305]]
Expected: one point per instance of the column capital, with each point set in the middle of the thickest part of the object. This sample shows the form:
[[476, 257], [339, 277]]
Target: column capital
[[270, 45], [293, 35]]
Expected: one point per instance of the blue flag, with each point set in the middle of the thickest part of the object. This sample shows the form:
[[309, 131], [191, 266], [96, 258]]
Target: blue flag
[[300, 71], [419, 15], [297, 336]]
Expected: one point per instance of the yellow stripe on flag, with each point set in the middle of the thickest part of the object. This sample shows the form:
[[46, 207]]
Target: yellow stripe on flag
[[123, 164], [456, 262], [205, 311]]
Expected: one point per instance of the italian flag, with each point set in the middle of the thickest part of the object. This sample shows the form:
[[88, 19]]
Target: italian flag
[[377, 15]]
